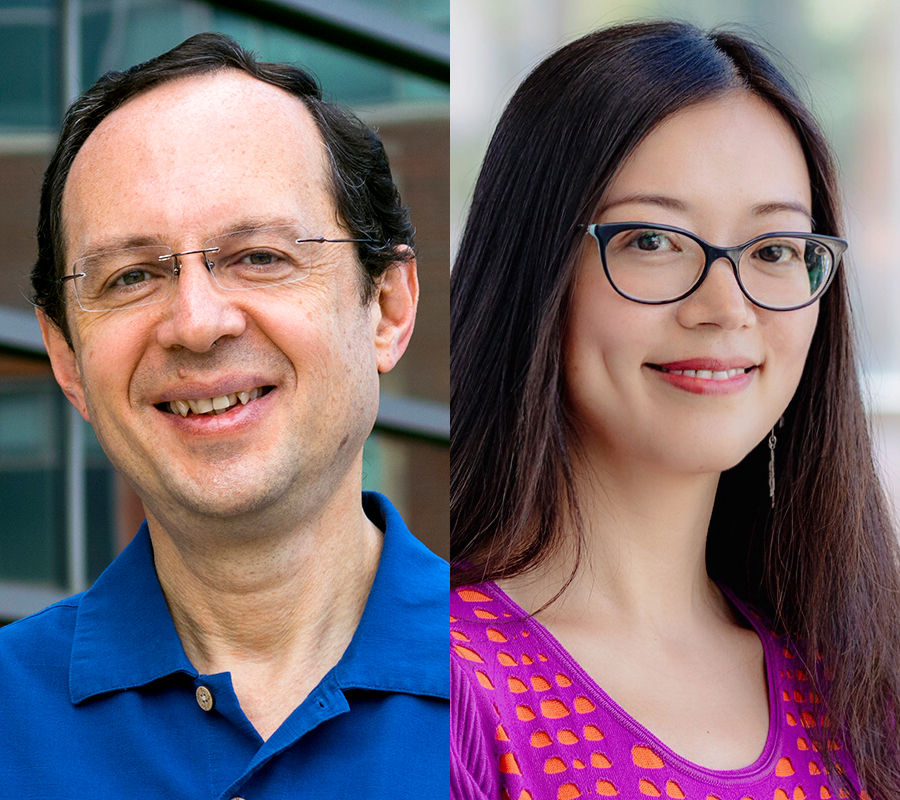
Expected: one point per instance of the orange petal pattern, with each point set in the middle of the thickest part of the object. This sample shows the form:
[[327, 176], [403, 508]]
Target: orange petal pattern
[[469, 655], [784, 768], [649, 789], [554, 765], [674, 790], [540, 739], [583, 705], [645, 758], [509, 765], [567, 737], [606, 789], [525, 714], [472, 596], [483, 679], [554, 709], [592, 733]]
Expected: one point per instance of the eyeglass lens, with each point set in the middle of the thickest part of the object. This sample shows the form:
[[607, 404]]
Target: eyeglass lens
[[659, 265], [138, 276]]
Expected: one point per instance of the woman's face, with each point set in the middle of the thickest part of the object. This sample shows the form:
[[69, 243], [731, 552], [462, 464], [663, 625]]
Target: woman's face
[[727, 169]]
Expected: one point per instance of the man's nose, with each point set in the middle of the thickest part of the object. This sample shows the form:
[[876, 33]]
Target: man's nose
[[718, 301], [199, 312]]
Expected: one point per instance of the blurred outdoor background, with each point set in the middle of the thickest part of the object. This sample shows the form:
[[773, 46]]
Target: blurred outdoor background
[[846, 64], [64, 512]]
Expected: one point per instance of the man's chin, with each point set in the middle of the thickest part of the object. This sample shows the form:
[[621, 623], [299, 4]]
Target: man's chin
[[233, 502]]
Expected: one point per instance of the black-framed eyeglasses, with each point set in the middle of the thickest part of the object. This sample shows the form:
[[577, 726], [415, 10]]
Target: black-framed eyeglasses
[[253, 259], [658, 264]]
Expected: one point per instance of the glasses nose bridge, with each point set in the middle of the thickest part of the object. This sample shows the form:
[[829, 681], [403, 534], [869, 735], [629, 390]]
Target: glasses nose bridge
[[177, 259], [713, 254], [731, 254]]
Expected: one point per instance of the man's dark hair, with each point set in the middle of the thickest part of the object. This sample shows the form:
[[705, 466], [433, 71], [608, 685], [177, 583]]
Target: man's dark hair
[[364, 193]]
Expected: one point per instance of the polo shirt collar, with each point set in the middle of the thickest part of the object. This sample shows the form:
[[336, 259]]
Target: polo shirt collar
[[400, 643], [124, 634], [125, 638]]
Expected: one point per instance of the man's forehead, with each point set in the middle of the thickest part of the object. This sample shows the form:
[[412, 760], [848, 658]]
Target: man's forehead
[[226, 93], [193, 146]]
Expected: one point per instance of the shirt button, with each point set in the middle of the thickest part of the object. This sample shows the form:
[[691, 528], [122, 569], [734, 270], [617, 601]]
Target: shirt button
[[204, 698]]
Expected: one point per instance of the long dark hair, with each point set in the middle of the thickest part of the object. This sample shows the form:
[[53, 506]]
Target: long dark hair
[[824, 563]]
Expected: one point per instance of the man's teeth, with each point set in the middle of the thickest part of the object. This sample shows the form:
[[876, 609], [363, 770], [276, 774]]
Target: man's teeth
[[707, 374], [214, 405]]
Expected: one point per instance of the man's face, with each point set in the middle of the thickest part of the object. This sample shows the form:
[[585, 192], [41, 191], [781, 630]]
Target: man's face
[[193, 159]]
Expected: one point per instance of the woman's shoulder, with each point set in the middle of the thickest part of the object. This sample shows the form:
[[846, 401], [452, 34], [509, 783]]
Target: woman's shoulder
[[476, 604], [780, 649]]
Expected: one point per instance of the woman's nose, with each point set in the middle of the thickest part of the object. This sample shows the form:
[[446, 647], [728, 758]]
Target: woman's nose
[[718, 301]]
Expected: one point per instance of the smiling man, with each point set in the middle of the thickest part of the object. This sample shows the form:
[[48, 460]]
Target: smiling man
[[225, 268]]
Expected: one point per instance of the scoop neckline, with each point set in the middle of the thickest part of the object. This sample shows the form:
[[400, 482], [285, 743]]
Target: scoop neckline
[[724, 778]]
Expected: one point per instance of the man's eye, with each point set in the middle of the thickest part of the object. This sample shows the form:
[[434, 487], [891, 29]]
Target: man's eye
[[259, 259], [132, 277]]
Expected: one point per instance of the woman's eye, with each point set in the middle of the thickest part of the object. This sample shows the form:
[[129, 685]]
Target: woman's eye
[[776, 253], [651, 241]]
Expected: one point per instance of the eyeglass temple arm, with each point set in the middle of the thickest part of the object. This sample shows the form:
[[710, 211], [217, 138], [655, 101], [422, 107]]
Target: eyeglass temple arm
[[323, 239]]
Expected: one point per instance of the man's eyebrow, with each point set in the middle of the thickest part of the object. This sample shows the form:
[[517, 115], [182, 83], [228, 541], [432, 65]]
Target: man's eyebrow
[[110, 243], [255, 224]]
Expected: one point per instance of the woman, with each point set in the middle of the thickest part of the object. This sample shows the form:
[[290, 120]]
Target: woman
[[675, 575]]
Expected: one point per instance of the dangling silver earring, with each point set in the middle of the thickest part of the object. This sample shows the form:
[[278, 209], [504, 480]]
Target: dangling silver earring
[[772, 442]]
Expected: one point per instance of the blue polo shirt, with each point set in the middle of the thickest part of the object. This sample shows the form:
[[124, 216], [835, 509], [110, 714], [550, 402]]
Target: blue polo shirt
[[98, 699]]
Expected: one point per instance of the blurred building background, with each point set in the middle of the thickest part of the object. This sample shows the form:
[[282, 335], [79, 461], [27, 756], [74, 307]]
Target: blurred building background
[[64, 512], [845, 59]]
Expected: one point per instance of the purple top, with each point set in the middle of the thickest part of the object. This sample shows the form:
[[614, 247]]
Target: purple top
[[527, 723]]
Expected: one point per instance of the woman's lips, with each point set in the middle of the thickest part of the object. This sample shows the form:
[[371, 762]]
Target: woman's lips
[[706, 377]]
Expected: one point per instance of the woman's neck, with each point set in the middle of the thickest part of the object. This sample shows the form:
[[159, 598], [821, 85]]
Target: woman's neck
[[643, 558]]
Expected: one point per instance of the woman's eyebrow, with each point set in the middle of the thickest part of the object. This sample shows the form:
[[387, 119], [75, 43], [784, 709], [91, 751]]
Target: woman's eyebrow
[[674, 204], [781, 205], [661, 200]]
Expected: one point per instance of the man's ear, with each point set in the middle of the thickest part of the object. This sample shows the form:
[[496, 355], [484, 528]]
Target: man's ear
[[398, 296], [64, 363]]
